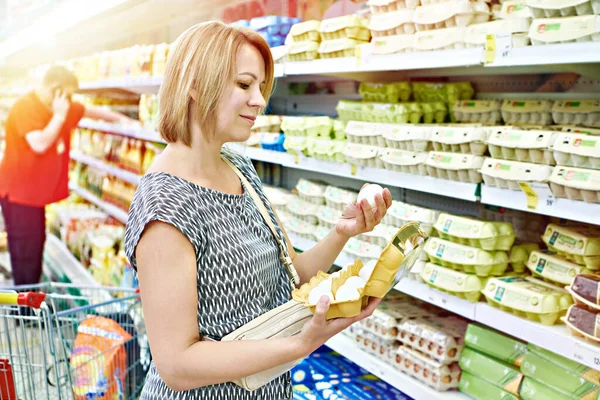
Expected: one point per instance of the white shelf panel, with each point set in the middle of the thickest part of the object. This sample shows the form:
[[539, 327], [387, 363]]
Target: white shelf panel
[[279, 70], [560, 208], [110, 209], [132, 131], [109, 169], [135, 84], [552, 54], [421, 60], [403, 382]]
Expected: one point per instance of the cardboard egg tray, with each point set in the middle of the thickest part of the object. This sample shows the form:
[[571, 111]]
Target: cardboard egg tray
[[450, 14], [338, 198], [565, 30], [486, 111], [577, 150], [328, 216], [338, 48], [347, 26], [519, 256], [385, 6], [439, 39], [318, 127], [476, 233], [577, 112], [581, 129], [306, 31], [460, 284], [579, 244], [576, 184], [300, 228], [435, 112], [393, 23], [466, 258], [393, 44], [295, 144], [293, 126], [520, 145], [363, 155], [466, 140], [528, 226], [409, 138], [385, 319], [385, 92], [327, 150], [568, 8], [278, 198], [365, 133], [303, 210], [440, 377], [404, 161], [361, 250], [527, 112], [554, 268], [529, 298], [518, 28], [267, 123], [310, 191], [400, 214], [303, 51], [455, 166], [349, 110], [507, 174]]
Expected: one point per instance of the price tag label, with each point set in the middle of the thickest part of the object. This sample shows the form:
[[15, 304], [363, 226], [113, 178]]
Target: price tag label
[[353, 169], [363, 53], [497, 47], [587, 355], [537, 195], [296, 158]]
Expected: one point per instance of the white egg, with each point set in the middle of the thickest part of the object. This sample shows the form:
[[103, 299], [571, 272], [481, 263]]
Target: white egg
[[367, 270], [356, 282], [368, 193], [347, 293], [316, 294], [325, 285]]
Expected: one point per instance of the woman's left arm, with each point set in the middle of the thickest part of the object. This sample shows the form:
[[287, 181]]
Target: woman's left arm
[[356, 219]]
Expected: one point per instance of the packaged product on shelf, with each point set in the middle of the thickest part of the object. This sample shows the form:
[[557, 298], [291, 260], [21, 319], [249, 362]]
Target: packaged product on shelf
[[481, 389], [277, 197], [348, 26], [519, 255], [577, 112], [380, 346], [301, 228], [533, 390], [363, 155], [460, 284], [557, 378], [527, 111], [338, 48], [528, 297], [528, 228], [267, 123], [457, 13], [589, 374], [435, 112], [577, 150], [466, 258], [486, 111], [392, 44], [303, 210], [303, 51], [569, 8], [467, 140], [483, 234], [385, 113], [514, 9], [404, 161], [327, 150], [338, 198], [579, 244], [554, 268], [496, 344], [387, 317], [297, 144], [455, 166], [394, 23], [580, 129], [445, 92], [380, 235], [438, 376], [408, 137], [361, 250], [350, 110], [439, 39], [400, 214], [565, 30], [306, 31], [583, 322], [520, 145], [318, 126], [384, 6], [518, 28], [506, 376], [585, 291], [272, 141], [576, 184], [328, 216], [311, 191], [508, 174], [366, 133]]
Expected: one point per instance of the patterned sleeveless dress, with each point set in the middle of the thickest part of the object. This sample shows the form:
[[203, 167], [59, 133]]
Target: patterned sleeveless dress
[[239, 274]]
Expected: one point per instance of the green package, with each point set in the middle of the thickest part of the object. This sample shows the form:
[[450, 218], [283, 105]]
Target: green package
[[480, 389], [503, 375], [582, 371], [559, 379], [495, 344], [534, 390]]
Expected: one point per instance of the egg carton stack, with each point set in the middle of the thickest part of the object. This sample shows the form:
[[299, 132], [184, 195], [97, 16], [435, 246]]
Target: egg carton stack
[[330, 148], [303, 41], [267, 132], [447, 93], [528, 229], [478, 111], [399, 113], [392, 25], [513, 18], [341, 35], [310, 135]]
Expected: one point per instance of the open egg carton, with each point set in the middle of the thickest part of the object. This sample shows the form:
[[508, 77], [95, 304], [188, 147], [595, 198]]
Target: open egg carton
[[466, 258], [393, 23], [563, 8], [408, 137], [379, 236], [392, 44], [457, 139], [338, 48], [365, 133], [338, 198], [576, 184], [577, 112], [454, 166], [306, 32], [404, 161], [565, 30], [277, 197], [518, 28], [328, 217], [386, 6], [267, 123], [363, 155], [439, 39], [350, 110], [484, 111], [457, 283], [579, 244], [520, 145], [435, 375], [311, 191], [577, 150], [507, 174], [303, 210], [300, 228], [529, 298], [348, 26], [527, 112], [361, 250], [401, 213], [485, 235], [303, 51], [385, 92], [451, 14], [554, 268]]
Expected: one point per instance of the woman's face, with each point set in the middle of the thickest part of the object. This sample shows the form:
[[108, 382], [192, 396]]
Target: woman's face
[[243, 101]]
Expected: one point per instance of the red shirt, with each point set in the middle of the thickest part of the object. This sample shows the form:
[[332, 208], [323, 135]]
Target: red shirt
[[27, 177]]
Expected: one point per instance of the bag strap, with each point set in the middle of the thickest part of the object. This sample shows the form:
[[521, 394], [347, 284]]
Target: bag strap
[[283, 251]]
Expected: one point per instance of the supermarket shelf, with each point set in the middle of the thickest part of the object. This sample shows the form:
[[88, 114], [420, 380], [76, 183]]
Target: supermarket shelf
[[110, 209], [560, 208], [403, 382], [132, 131], [552, 54], [62, 262], [131, 84], [109, 169]]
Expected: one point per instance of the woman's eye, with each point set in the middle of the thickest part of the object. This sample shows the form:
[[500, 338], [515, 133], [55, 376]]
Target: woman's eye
[[244, 85]]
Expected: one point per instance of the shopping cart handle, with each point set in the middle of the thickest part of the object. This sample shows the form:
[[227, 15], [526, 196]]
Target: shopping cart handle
[[31, 299]]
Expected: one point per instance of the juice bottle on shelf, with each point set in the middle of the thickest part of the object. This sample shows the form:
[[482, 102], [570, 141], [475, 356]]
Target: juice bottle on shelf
[[106, 189], [108, 148], [135, 157], [122, 154], [117, 141]]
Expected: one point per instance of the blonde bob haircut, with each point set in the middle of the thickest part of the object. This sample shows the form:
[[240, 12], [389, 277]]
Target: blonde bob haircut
[[203, 61]]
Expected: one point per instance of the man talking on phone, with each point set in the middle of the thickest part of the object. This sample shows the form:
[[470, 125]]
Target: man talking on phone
[[34, 169]]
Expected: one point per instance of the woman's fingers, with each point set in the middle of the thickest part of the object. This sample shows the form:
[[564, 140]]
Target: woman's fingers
[[387, 197], [368, 215]]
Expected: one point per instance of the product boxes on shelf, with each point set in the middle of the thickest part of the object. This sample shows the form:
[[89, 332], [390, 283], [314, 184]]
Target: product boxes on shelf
[[495, 344], [506, 376]]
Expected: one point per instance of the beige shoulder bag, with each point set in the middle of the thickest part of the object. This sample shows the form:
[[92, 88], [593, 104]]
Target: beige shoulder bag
[[283, 321]]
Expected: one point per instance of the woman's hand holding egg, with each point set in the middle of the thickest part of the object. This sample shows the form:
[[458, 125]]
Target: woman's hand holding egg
[[371, 206]]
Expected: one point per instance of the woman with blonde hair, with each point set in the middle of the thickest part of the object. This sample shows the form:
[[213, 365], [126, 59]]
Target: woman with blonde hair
[[206, 259]]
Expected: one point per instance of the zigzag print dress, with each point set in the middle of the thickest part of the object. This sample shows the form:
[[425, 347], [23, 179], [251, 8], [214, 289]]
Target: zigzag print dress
[[239, 274]]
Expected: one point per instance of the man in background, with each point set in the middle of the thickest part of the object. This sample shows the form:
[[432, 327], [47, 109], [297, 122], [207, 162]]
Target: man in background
[[34, 169]]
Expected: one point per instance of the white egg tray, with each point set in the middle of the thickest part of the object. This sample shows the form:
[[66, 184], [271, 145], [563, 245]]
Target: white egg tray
[[408, 137], [347, 26], [321, 232], [338, 198], [301, 228], [365, 133], [514, 9], [392, 44], [455, 166], [577, 150], [303, 210], [527, 112], [485, 111], [310, 191], [267, 123], [579, 129], [450, 14], [328, 217], [440, 39], [384, 6], [363, 251], [455, 139], [563, 8], [507, 174], [293, 126], [363, 155], [404, 161], [525, 146], [393, 23], [400, 214], [303, 51], [518, 28], [576, 112], [277, 197], [576, 184], [565, 30]]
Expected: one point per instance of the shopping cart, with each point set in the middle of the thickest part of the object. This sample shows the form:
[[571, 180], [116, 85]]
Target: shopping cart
[[64, 341]]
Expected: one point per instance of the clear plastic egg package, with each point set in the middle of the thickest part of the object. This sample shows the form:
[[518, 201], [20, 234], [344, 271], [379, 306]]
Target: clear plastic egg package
[[408, 137], [518, 28], [450, 14], [468, 259], [404, 161], [385, 319], [380, 347], [363, 155], [438, 376], [301, 228], [345, 27], [554, 268], [440, 39], [529, 298], [577, 112], [385, 6], [565, 30], [455, 166], [385, 92], [361, 250], [457, 283], [393, 23], [311, 191], [563, 8], [338, 48], [579, 244], [400, 214], [485, 111], [485, 235], [392, 44], [576, 184], [338, 198], [507, 174], [303, 51], [456, 139], [520, 145], [527, 112], [577, 150], [303, 210], [365, 133], [306, 31]]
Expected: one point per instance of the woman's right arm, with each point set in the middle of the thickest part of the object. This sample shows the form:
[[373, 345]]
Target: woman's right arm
[[166, 264]]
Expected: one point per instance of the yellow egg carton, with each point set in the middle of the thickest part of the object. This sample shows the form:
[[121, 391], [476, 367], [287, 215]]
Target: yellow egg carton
[[339, 48], [293, 126], [519, 256], [483, 234], [576, 184], [303, 51], [466, 258], [345, 27], [529, 298], [579, 244], [460, 284], [306, 31], [554, 268]]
